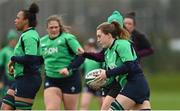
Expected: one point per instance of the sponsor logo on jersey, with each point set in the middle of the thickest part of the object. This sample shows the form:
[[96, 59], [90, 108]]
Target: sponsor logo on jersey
[[51, 50]]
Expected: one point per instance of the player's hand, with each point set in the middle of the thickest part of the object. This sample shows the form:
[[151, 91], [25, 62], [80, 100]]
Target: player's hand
[[11, 68], [64, 71], [102, 75], [80, 50]]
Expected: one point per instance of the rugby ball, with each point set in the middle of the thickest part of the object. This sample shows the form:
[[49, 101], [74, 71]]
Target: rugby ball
[[92, 81]]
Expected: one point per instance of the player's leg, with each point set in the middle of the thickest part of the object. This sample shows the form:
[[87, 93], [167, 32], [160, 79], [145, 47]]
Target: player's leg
[[71, 91], [8, 100], [85, 99], [135, 92], [122, 102], [52, 93], [70, 101], [52, 98], [111, 93], [142, 101], [26, 88], [144, 106], [107, 102]]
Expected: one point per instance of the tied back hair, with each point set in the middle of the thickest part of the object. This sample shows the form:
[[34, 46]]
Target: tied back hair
[[114, 29], [34, 8], [30, 14]]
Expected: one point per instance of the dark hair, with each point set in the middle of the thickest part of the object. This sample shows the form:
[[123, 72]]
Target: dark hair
[[114, 29], [63, 28], [131, 15], [30, 14]]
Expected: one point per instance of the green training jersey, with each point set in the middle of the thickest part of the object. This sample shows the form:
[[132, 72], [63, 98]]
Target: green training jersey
[[30, 39], [90, 65], [58, 53], [5, 56], [120, 52]]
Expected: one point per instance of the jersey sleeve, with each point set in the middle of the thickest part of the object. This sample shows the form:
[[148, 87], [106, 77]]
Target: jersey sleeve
[[73, 44], [30, 46]]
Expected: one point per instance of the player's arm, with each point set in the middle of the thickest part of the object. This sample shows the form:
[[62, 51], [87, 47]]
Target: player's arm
[[127, 67], [79, 59], [30, 50], [99, 57], [27, 59], [130, 64]]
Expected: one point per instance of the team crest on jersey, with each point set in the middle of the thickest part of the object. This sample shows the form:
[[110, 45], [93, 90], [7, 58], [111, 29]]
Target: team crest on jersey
[[59, 42]]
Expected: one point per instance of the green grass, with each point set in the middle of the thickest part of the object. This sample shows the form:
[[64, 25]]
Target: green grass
[[165, 100], [165, 93]]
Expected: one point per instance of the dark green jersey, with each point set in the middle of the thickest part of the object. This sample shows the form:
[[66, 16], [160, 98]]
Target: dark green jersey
[[5, 56], [27, 45], [120, 52], [58, 53]]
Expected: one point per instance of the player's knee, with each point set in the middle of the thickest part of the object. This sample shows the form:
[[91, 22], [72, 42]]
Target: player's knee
[[20, 105], [116, 106], [8, 102], [107, 103]]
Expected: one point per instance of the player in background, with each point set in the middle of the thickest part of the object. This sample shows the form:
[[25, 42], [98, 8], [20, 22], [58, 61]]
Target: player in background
[[89, 65], [140, 42], [26, 61], [59, 49], [5, 56]]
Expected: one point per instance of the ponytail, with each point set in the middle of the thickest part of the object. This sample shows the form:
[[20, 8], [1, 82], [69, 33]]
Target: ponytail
[[33, 8], [30, 14], [114, 29], [123, 33]]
